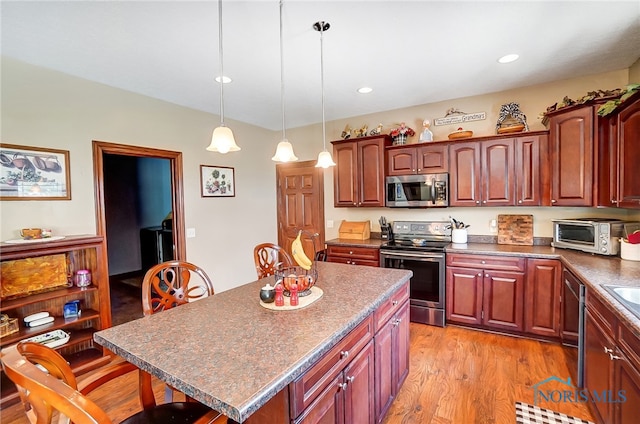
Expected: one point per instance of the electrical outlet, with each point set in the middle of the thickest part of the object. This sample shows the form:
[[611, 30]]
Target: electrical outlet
[[493, 226], [191, 232]]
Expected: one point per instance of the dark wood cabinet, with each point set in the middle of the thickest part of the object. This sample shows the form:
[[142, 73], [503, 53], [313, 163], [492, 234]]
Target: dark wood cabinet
[[542, 293], [530, 154], [490, 296], [422, 159], [465, 182], [352, 255], [359, 174], [571, 144], [570, 310]]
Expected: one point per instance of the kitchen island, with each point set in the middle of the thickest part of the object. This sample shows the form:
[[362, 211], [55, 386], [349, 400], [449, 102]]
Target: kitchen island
[[239, 358]]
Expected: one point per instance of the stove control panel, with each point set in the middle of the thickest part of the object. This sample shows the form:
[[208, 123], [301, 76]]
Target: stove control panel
[[421, 228]]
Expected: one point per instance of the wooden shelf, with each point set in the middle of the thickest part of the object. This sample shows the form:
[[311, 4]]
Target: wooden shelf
[[44, 296]]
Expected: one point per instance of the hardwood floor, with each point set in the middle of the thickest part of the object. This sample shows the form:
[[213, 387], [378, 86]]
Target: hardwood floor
[[456, 376]]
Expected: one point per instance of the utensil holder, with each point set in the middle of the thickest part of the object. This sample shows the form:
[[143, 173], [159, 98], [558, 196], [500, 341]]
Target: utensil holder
[[459, 235]]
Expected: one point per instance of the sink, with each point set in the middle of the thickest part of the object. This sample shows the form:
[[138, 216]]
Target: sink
[[628, 296]]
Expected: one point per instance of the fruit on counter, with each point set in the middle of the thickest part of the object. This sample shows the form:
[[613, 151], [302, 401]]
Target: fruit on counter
[[298, 253]]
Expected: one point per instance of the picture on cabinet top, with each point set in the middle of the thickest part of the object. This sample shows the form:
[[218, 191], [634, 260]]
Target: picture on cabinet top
[[217, 181], [34, 173]]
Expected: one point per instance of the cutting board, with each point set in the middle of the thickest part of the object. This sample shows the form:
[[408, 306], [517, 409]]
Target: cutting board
[[515, 229]]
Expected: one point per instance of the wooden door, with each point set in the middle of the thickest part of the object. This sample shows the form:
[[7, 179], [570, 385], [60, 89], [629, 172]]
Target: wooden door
[[328, 408], [503, 300], [465, 176], [498, 173], [528, 172], [432, 159], [345, 174], [542, 292], [571, 139], [300, 204], [401, 161], [464, 295], [358, 395], [629, 157], [371, 167], [598, 367]]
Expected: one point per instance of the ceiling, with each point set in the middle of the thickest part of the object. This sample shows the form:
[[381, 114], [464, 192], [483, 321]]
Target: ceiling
[[409, 52]]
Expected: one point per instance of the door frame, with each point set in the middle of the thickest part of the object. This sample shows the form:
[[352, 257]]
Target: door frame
[[177, 190]]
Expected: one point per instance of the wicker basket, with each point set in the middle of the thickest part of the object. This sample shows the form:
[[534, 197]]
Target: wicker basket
[[8, 325]]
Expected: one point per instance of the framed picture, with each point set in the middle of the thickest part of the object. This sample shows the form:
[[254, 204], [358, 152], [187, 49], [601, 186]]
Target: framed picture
[[34, 173], [217, 181]]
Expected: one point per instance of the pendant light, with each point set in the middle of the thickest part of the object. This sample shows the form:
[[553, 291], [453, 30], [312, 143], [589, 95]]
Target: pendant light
[[324, 158], [222, 140], [284, 151]]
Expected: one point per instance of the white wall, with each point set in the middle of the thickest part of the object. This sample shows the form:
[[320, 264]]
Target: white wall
[[43, 108]]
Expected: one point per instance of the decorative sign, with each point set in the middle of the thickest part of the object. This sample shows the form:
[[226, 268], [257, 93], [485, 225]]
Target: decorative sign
[[459, 117]]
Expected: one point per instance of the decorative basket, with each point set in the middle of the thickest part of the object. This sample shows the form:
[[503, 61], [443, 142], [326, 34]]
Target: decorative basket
[[460, 134], [305, 279], [8, 325]]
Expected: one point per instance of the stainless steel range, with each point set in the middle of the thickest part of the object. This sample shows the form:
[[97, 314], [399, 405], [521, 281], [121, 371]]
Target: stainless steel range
[[419, 247]]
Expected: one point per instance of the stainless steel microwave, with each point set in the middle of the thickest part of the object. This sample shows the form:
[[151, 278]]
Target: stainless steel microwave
[[593, 235], [418, 191]]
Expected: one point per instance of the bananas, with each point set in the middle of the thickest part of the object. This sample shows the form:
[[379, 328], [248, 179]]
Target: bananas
[[298, 253]]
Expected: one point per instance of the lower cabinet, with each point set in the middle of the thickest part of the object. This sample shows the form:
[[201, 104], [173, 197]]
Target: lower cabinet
[[353, 255], [612, 365], [543, 286]]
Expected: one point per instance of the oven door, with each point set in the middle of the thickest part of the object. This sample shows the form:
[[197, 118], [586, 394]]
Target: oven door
[[575, 235], [426, 287]]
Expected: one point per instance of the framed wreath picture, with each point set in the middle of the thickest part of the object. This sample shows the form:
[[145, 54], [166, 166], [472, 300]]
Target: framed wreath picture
[[217, 181], [34, 173]]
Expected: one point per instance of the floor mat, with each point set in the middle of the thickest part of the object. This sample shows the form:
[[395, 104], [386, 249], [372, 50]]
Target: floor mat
[[530, 414]]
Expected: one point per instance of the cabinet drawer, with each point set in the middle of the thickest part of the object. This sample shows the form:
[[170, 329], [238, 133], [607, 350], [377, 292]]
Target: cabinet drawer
[[308, 386], [501, 263], [390, 307], [341, 260], [366, 253], [630, 344], [601, 313]]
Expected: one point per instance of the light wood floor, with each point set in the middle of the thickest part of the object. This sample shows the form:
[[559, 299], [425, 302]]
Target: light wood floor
[[457, 376]]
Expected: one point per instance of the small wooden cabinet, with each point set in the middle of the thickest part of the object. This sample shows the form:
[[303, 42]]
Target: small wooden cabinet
[[353, 255], [359, 174], [420, 159], [485, 291], [543, 287], [80, 252], [612, 365]]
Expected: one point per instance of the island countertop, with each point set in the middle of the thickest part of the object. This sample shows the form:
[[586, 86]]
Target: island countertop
[[232, 354]]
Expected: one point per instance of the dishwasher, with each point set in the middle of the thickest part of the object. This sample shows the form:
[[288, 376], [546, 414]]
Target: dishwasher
[[574, 300]]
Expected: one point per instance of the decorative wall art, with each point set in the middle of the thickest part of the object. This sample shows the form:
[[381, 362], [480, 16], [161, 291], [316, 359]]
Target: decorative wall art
[[34, 173], [217, 181]]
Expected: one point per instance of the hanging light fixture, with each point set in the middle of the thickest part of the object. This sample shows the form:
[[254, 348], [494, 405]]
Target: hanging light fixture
[[284, 151], [324, 158], [222, 140]]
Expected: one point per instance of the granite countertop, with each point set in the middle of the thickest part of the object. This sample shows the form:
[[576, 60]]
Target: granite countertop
[[594, 270], [232, 354]]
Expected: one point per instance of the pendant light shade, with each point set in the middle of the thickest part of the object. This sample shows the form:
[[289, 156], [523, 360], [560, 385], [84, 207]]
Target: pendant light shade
[[284, 151], [324, 158], [222, 140]]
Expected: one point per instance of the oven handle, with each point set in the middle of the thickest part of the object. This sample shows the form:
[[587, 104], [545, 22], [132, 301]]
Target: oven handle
[[387, 254]]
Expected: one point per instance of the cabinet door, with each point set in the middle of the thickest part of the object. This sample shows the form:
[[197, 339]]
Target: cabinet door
[[345, 174], [503, 300], [465, 176], [542, 292], [401, 347], [384, 390], [629, 156], [498, 173], [371, 172], [627, 384], [401, 161], [528, 171], [432, 159], [464, 295], [358, 395], [598, 368], [328, 408], [571, 139]]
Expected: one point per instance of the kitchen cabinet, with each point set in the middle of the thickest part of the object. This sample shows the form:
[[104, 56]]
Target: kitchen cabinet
[[618, 184], [391, 350], [530, 154], [352, 255], [485, 291], [421, 159], [359, 174], [543, 285], [80, 252], [570, 313]]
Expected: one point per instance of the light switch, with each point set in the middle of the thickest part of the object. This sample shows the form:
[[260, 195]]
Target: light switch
[[329, 223], [493, 226], [191, 232]]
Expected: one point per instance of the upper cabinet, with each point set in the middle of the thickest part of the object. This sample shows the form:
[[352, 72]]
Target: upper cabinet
[[420, 159], [358, 177]]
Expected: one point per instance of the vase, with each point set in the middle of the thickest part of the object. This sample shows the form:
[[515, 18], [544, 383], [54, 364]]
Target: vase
[[400, 139], [459, 235]]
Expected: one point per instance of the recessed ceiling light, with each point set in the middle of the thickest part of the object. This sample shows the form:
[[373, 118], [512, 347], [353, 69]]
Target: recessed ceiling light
[[365, 90], [508, 58], [225, 80]]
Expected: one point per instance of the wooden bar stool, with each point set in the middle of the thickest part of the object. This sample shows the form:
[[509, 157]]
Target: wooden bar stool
[[268, 256]]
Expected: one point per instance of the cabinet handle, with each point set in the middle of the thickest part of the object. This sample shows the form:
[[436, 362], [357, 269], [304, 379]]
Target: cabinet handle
[[413, 170], [355, 204], [483, 262], [353, 262], [607, 350], [479, 274], [484, 201], [398, 321], [351, 252], [614, 357], [553, 201], [477, 202], [614, 201], [394, 303], [350, 379], [344, 354], [342, 386], [348, 262], [519, 201], [486, 275]]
